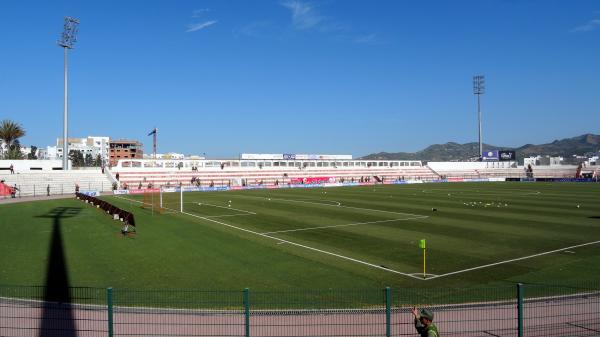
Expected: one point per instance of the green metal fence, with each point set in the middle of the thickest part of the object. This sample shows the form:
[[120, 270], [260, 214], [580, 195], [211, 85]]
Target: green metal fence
[[520, 310]]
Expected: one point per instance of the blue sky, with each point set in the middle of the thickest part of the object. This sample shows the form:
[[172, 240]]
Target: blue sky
[[343, 77]]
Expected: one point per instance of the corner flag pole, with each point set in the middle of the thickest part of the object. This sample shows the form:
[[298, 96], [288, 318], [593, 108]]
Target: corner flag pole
[[422, 246]]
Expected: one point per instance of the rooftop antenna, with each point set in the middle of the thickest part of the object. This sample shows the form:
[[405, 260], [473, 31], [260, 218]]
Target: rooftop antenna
[[67, 40], [479, 89]]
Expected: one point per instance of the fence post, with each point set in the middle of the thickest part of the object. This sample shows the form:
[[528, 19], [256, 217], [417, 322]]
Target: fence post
[[109, 303], [520, 291], [388, 312], [247, 311]]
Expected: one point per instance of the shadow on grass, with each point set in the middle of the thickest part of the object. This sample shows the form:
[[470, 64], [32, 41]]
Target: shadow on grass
[[57, 316], [595, 217]]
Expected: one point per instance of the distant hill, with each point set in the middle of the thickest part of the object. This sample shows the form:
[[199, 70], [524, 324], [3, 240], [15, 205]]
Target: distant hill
[[455, 152]]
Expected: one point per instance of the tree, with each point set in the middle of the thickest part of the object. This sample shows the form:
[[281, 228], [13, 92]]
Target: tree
[[98, 161], [76, 158], [89, 161], [32, 155], [14, 151], [10, 132]]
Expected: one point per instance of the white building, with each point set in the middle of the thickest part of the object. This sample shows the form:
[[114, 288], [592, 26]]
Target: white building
[[91, 145], [48, 153], [170, 155]]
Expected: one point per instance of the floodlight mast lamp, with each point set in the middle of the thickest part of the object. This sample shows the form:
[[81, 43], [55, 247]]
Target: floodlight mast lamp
[[479, 89], [67, 41]]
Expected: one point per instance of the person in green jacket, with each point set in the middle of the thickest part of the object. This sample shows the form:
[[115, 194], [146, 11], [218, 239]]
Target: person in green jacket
[[424, 323]]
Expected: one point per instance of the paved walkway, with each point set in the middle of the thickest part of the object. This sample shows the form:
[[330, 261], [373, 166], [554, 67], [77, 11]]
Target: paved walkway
[[10, 200]]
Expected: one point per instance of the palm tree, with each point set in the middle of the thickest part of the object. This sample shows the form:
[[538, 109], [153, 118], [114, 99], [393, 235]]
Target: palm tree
[[10, 132]]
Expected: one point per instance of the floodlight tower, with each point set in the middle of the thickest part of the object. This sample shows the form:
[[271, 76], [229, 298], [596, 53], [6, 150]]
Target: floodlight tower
[[479, 89], [67, 40]]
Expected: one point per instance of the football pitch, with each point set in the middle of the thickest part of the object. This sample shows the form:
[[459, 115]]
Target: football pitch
[[477, 234]]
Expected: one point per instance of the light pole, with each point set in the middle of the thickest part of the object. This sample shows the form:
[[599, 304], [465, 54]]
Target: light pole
[[479, 89], [67, 40]]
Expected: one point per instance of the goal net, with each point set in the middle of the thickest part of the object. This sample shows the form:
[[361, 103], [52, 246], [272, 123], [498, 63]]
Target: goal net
[[191, 201], [153, 201]]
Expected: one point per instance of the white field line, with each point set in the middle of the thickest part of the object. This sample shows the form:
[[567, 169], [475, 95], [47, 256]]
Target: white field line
[[338, 205], [227, 215], [513, 260], [426, 275], [235, 209], [331, 203], [172, 211], [303, 246], [411, 275], [345, 225], [292, 243]]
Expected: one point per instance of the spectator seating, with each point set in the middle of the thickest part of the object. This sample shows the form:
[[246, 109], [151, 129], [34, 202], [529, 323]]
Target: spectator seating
[[253, 176], [60, 182]]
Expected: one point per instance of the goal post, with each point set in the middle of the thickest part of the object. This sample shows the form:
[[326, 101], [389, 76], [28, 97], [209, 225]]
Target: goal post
[[153, 200]]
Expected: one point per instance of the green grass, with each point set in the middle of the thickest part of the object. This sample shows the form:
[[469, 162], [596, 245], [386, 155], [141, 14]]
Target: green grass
[[190, 251]]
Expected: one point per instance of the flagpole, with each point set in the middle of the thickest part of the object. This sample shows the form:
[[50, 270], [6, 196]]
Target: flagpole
[[422, 245], [424, 263]]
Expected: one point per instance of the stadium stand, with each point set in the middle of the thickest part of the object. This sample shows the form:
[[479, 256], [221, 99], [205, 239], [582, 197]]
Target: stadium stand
[[562, 171], [452, 170], [270, 175], [163, 173], [36, 183], [251, 177]]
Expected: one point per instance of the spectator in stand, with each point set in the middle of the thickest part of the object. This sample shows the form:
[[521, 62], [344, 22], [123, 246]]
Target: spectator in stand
[[102, 168], [117, 176], [76, 188], [48, 190], [140, 186], [13, 192], [12, 169]]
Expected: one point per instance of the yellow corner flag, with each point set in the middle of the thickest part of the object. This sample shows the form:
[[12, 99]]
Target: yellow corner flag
[[422, 246]]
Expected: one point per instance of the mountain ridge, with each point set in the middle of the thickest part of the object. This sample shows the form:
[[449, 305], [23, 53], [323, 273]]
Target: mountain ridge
[[452, 151]]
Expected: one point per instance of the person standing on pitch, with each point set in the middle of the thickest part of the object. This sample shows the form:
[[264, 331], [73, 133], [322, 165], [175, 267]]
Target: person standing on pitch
[[424, 323]]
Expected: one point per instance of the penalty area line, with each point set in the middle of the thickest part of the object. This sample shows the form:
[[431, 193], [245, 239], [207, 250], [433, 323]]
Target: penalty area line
[[350, 224], [337, 205], [514, 260], [235, 209], [304, 246]]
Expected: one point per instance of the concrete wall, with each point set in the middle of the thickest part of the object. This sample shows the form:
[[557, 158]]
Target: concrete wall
[[476, 165], [28, 165]]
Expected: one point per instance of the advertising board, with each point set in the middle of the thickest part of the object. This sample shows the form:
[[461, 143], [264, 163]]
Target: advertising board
[[507, 155], [490, 155], [90, 193]]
